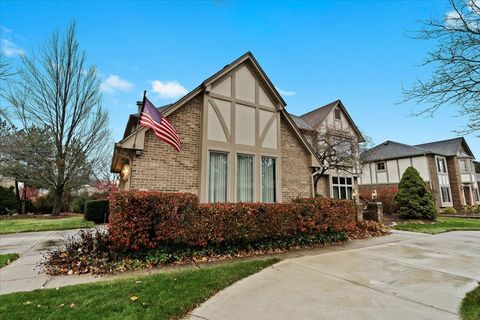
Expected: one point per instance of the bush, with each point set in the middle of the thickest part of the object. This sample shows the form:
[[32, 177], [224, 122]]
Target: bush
[[385, 195], [414, 199], [8, 201], [147, 220], [96, 211], [449, 211], [78, 203]]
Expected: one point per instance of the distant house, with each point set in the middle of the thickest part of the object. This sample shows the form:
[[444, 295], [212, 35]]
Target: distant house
[[446, 166]]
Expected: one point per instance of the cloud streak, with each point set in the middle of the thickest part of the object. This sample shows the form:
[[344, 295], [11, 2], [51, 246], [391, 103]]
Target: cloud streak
[[114, 83], [10, 49], [286, 93], [168, 89]]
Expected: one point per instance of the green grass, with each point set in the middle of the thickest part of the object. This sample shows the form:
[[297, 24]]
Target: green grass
[[443, 224], [38, 224], [470, 307], [161, 296], [7, 259]]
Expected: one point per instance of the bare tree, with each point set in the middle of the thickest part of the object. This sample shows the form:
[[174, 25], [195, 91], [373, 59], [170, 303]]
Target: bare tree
[[58, 94], [455, 78], [337, 149], [5, 75]]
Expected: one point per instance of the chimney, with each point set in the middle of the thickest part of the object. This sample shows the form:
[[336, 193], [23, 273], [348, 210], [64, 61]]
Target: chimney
[[139, 106]]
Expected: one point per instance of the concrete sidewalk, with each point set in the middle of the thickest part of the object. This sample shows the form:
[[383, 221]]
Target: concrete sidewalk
[[22, 274], [423, 277]]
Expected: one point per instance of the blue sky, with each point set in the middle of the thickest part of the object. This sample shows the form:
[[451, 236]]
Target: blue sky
[[314, 52]]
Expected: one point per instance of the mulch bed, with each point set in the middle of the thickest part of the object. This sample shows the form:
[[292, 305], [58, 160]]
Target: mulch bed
[[40, 216]]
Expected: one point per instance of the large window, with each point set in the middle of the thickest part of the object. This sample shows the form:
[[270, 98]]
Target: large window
[[244, 178], [445, 191], [217, 177], [463, 165], [441, 167], [269, 179], [342, 187]]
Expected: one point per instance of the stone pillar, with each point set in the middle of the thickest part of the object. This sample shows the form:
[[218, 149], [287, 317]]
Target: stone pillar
[[374, 212], [360, 211]]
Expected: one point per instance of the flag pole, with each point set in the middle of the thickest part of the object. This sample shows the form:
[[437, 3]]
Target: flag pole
[[140, 115]]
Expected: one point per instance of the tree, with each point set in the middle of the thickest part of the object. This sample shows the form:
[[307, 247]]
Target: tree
[[337, 149], [64, 127], [413, 198], [455, 78], [5, 75]]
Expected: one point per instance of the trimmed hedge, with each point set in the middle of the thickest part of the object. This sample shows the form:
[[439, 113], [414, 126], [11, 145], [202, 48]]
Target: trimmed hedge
[[148, 220], [96, 211]]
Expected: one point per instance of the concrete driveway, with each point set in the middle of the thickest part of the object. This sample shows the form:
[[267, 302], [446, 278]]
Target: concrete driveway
[[420, 277]]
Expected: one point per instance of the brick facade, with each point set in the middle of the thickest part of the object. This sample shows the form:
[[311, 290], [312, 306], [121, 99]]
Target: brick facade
[[434, 184], [456, 188], [160, 167], [296, 175]]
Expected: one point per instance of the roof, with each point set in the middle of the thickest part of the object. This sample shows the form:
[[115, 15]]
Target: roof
[[450, 147], [316, 117], [301, 124], [133, 119], [392, 150]]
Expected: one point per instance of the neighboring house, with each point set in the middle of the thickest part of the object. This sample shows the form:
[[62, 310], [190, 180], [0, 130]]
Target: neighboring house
[[334, 136], [238, 143], [446, 166]]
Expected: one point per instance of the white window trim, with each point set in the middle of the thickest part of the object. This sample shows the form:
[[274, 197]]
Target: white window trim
[[338, 184]]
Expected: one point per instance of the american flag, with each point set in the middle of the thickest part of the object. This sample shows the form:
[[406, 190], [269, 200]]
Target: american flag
[[151, 118]]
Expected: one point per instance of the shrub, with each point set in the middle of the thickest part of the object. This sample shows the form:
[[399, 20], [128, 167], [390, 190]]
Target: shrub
[[78, 203], [385, 195], [96, 211], [8, 201], [142, 220], [414, 199], [449, 211]]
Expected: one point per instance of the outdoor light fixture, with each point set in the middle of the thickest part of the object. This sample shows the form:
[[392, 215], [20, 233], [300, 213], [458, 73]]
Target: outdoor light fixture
[[354, 194], [125, 172], [374, 195]]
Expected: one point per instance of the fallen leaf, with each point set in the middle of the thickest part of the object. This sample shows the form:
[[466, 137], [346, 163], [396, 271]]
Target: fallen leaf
[[133, 298], [38, 306], [62, 305], [138, 281], [72, 305], [27, 302]]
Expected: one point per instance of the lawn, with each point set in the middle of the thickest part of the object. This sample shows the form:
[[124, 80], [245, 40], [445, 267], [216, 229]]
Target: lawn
[[7, 258], [161, 296], [42, 224], [443, 224], [470, 307]]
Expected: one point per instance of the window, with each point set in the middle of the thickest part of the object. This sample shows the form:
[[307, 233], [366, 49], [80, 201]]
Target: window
[[441, 165], [445, 194], [342, 187], [380, 166], [477, 195], [269, 180], [244, 178], [337, 114], [217, 178], [463, 166]]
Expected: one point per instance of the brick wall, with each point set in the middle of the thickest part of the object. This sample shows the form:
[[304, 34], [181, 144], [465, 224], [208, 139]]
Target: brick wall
[[296, 176], [453, 166], [160, 167]]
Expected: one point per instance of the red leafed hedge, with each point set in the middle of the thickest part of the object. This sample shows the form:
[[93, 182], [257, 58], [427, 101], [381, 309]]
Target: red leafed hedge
[[140, 220]]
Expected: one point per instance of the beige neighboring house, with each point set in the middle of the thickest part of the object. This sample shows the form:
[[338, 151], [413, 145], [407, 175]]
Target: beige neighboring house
[[335, 137], [446, 166], [238, 143]]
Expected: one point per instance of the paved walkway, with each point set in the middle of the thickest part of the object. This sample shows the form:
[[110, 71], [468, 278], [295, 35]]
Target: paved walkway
[[419, 277]]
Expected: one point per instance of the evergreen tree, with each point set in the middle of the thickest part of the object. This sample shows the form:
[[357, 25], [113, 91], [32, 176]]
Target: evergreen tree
[[413, 198]]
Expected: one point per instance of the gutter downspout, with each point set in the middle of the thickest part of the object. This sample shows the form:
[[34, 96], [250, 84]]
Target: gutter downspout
[[313, 183]]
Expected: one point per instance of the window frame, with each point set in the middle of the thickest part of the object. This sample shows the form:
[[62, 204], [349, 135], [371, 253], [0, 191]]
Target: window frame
[[253, 174], [339, 112], [467, 169], [384, 166], [275, 184], [443, 160], [449, 193], [340, 185], [227, 174]]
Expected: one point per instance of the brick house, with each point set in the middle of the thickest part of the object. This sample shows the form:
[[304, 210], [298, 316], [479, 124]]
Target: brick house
[[446, 166]]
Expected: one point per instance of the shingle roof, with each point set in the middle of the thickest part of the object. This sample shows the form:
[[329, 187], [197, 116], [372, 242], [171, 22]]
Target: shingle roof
[[392, 150], [450, 147], [315, 117], [301, 124]]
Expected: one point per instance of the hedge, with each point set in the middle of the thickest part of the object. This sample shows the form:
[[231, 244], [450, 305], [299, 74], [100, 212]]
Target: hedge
[[96, 211], [148, 220]]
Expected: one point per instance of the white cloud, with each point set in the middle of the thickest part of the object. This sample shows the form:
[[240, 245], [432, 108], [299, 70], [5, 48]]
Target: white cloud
[[168, 89], [10, 49], [286, 93], [115, 83]]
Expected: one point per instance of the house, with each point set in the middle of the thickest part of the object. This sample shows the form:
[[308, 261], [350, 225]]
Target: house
[[335, 138], [238, 143], [446, 166]]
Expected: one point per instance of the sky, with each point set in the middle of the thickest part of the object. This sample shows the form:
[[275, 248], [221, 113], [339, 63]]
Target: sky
[[361, 52]]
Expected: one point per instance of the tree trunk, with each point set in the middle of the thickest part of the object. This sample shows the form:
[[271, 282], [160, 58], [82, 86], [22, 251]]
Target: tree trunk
[[57, 202]]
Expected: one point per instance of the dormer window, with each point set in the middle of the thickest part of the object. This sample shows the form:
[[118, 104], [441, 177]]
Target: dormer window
[[337, 114]]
